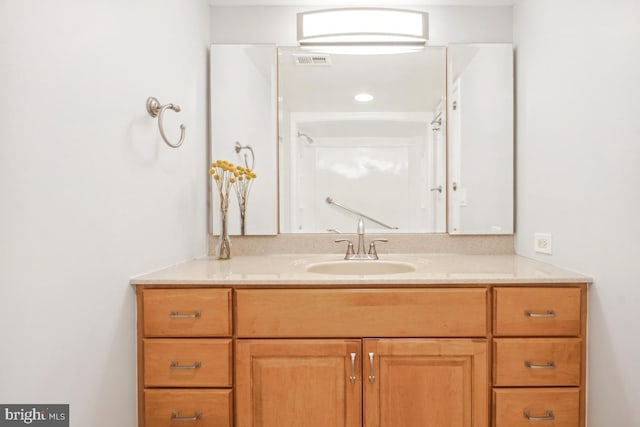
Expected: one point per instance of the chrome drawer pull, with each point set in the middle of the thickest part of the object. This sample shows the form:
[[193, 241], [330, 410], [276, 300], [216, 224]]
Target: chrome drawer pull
[[550, 365], [176, 315], [175, 365], [352, 377], [549, 313], [372, 378], [548, 417], [176, 417]]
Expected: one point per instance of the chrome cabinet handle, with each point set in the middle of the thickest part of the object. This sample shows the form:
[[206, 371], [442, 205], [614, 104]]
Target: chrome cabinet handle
[[549, 313], [176, 365], [176, 315], [175, 416], [352, 377], [438, 189], [548, 417], [372, 378], [550, 365]]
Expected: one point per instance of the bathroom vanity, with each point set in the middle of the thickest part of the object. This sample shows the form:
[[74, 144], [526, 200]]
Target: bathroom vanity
[[469, 341]]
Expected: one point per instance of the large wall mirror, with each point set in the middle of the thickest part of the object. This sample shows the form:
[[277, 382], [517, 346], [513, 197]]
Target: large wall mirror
[[362, 133], [322, 154]]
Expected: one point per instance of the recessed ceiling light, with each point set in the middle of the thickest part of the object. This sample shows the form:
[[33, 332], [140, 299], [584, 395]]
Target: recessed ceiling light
[[363, 97]]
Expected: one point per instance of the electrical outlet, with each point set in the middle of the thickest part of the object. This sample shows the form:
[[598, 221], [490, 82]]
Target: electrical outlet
[[542, 243]]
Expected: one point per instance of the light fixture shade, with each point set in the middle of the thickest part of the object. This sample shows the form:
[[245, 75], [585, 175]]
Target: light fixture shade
[[363, 26]]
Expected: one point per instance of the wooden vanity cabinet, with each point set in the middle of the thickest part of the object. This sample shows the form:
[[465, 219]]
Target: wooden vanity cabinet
[[283, 382], [539, 356], [185, 360], [418, 357], [425, 382], [405, 382], [431, 356]]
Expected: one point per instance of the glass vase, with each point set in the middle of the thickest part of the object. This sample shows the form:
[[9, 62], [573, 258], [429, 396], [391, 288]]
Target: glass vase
[[223, 247], [243, 218]]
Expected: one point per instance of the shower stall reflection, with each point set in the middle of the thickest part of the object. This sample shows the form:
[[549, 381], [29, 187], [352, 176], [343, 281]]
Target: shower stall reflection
[[384, 167]]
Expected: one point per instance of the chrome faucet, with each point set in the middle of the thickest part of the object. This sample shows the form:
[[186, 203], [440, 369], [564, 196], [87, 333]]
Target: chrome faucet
[[361, 254], [360, 237]]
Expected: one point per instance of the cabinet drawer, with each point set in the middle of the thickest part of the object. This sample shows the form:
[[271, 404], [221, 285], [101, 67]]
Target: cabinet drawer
[[341, 313], [537, 361], [161, 407], [537, 311], [187, 363], [562, 405], [187, 312]]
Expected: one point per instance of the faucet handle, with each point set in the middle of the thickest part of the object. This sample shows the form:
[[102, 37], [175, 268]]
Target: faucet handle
[[372, 247], [350, 250]]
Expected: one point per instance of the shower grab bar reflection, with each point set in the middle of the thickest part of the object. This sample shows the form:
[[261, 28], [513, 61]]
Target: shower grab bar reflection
[[330, 201]]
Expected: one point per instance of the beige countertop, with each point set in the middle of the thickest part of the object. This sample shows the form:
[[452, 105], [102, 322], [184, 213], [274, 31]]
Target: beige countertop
[[430, 269]]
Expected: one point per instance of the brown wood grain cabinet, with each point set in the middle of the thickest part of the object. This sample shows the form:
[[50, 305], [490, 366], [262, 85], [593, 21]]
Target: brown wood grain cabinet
[[539, 341], [425, 356], [420, 382]]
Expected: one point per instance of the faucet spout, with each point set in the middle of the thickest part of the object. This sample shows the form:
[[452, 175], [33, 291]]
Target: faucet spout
[[361, 249], [361, 253]]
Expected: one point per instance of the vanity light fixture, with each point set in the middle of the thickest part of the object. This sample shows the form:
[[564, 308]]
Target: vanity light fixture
[[363, 97], [363, 26]]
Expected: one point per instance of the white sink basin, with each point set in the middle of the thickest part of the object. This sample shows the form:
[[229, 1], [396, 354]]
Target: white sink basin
[[361, 268]]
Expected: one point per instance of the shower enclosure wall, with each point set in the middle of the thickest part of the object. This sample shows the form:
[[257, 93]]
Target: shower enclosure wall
[[389, 166]]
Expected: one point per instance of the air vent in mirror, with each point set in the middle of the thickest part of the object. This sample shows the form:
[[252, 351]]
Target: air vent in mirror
[[312, 59]]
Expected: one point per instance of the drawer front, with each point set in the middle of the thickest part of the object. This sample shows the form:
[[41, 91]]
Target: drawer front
[[187, 363], [187, 312], [342, 313], [168, 408], [547, 407], [537, 311], [537, 361]]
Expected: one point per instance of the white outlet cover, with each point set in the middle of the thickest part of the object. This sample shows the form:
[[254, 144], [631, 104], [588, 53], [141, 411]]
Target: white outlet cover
[[542, 243]]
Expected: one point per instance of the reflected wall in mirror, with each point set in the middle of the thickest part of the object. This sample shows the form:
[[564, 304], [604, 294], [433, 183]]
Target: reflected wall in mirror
[[384, 158], [243, 114], [480, 156]]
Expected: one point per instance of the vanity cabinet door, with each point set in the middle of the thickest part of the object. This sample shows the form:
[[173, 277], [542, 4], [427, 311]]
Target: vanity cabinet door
[[310, 383], [425, 383]]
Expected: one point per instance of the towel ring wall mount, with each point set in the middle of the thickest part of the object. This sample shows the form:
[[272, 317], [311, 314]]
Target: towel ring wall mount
[[155, 109]]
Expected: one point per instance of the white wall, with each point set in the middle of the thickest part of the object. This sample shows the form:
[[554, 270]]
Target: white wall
[[278, 24], [578, 162], [90, 195]]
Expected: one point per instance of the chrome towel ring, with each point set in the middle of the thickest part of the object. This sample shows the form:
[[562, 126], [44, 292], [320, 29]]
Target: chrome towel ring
[[155, 109], [239, 148]]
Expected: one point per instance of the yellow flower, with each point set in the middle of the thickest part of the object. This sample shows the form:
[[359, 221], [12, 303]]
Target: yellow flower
[[232, 180], [216, 177]]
